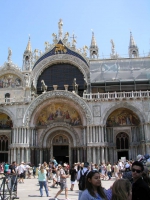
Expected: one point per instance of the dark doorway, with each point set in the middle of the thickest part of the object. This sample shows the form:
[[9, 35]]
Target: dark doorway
[[123, 154], [3, 157], [61, 153]]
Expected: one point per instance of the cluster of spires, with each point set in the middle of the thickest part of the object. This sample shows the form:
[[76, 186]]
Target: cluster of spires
[[30, 57]]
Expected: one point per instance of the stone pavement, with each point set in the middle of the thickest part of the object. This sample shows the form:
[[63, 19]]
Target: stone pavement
[[30, 190]]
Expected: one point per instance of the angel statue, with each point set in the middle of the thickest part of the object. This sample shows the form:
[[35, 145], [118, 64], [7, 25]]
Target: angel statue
[[43, 86], [112, 46], [85, 48], [9, 54], [55, 40], [75, 86]]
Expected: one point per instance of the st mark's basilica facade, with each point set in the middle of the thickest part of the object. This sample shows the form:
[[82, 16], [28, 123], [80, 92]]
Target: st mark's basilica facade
[[76, 108]]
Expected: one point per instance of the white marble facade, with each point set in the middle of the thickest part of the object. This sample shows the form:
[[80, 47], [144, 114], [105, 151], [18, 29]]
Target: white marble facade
[[91, 140]]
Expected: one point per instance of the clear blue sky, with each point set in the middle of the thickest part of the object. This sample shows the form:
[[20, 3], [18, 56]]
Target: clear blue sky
[[110, 19]]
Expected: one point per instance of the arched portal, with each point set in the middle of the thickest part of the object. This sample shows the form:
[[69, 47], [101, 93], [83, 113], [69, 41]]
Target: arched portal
[[123, 130], [3, 148], [61, 148], [122, 145]]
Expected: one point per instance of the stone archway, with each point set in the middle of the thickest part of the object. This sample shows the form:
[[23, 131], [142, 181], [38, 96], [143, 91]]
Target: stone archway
[[41, 100], [49, 138], [65, 58], [60, 143], [126, 122]]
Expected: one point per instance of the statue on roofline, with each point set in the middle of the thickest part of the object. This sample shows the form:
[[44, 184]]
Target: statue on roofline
[[9, 54]]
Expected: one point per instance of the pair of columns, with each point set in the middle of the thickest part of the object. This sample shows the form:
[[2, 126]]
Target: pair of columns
[[65, 86], [20, 154]]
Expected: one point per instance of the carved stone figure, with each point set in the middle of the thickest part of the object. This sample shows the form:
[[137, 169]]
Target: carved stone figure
[[26, 77], [66, 37], [60, 31], [61, 48], [55, 40], [112, 46], [75, 86], [85, 48], [43, 86], [33, 90], [9, 54]]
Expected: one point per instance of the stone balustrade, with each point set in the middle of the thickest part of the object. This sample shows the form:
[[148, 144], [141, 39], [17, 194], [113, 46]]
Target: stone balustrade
[[117, 95], [16, 100]]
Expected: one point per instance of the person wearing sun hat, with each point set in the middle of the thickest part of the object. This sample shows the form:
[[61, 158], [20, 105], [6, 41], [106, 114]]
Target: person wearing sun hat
[[63, 182]]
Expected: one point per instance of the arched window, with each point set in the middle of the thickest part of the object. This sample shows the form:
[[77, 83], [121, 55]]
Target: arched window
[[122, 141], [7, 97], [3, 143]]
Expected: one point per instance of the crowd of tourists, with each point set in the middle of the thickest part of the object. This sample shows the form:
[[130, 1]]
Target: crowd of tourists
[[132, 178]]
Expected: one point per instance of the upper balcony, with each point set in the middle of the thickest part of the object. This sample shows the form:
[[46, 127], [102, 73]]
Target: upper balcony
[[117, 95]]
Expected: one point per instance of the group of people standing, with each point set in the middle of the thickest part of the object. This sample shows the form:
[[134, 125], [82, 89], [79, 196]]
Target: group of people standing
[[132, 179], [130, 183], [137, 187]]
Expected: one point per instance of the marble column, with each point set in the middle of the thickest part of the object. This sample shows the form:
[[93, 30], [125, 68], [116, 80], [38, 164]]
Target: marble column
[[99, 134], [89, 154], [147, 149], [18, 155], [32, 137], [98, 155], [28, 135], [88, 134], [93, 134], [78, 155], [25, 135], [102, 154], [84, 138], [13, 135], [94, 156], [102, 133], [146, 132], [17, 136], [96, 134], [22, 154], [70, 160], [106, 154], [41, 156], [14, 158]]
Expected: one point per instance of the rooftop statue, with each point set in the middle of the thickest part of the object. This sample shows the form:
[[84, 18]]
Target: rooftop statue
[[112, 46], [61, 48], [75, 86], [43, 86], [9, 54], [60, 31], [55, 40]]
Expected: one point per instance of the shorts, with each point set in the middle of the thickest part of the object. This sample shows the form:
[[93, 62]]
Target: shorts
[[73, 182], [54, 176], [21, 175], [63, 186]]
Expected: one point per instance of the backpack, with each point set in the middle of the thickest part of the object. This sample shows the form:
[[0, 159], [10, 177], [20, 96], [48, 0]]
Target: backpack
[[82, 180]]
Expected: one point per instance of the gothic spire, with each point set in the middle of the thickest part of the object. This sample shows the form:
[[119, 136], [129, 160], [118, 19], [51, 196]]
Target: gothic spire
[[93, 48], [28, 48], [133, 49], [93, 41], [132, 42]]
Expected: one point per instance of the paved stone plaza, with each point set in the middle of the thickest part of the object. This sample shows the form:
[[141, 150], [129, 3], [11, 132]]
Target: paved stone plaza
[[30, 190]]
